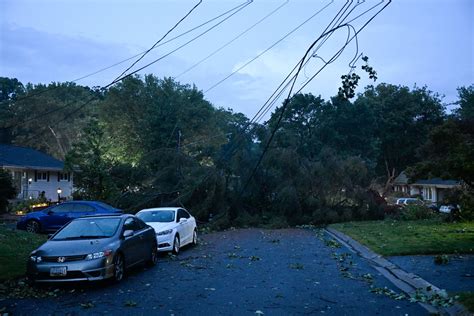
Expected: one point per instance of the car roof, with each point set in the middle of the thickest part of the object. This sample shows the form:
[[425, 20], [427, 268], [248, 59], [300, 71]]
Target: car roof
[[105, 216], [85, 202], [174, 208]]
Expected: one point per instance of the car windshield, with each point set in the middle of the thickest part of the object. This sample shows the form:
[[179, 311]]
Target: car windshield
[[163, 216], [89, 228]]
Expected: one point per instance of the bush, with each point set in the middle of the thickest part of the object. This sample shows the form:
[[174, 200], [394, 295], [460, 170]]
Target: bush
[[467, 205], [26, 205], [7, 190], [416, 212]]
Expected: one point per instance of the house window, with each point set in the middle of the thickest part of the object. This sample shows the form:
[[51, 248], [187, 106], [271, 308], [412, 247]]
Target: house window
[[63, 176], [42, 176]]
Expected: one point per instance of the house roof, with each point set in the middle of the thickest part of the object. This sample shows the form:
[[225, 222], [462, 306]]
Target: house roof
[[437, 182], [401, 179], [28, 158]]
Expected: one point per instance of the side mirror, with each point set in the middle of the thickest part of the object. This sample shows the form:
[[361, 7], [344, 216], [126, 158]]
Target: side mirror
[[50, 212], [127, 233], [183, 220]]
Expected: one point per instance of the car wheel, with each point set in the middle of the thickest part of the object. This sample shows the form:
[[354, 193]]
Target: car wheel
[[119, 268], [176, 245], [195, 238], [153, 256], [33, 226]]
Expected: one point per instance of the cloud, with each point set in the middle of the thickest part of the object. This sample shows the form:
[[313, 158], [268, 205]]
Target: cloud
[[34, 56]]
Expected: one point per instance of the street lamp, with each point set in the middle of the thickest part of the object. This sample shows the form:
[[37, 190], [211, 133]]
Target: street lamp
[[59, 194]]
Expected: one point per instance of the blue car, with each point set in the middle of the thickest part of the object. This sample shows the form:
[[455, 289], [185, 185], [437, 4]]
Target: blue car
[[54, 217]]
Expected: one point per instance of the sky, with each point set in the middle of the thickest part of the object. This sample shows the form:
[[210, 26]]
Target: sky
[[423, 43]]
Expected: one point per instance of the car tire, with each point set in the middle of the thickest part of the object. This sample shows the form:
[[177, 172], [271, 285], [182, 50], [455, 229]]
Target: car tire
[[119, 268], [176, 245], [33, 226], [195, 238], [153, 256]]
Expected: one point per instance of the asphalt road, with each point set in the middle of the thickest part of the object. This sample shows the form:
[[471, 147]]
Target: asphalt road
[[238, 272]]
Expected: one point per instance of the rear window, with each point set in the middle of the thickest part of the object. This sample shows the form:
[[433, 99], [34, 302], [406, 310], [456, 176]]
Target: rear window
[[106, 206]]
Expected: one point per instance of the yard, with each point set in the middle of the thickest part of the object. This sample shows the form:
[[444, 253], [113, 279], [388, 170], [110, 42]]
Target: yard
[[15, 247], [422, 237], [392, 238]]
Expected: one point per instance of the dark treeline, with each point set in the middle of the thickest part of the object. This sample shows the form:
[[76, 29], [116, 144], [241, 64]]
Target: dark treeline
[[150, 142]]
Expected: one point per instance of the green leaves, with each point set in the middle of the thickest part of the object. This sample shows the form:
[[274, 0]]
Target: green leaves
[[130, 303]]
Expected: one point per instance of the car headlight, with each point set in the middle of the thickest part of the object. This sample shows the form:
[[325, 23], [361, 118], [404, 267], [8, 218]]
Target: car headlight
[[98, 255], [36, 259], [165, 232]]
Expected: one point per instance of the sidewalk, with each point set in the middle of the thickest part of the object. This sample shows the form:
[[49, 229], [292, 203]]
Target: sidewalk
[[455, 276], [410, 282]]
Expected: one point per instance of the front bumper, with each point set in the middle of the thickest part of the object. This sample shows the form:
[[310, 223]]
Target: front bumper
[[84, 270], [165, 242]]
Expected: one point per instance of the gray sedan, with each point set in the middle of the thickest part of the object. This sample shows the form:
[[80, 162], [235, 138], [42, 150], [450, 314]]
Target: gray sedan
[[94, 248]]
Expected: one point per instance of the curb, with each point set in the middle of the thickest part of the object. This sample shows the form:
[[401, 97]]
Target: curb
[[407, 282]]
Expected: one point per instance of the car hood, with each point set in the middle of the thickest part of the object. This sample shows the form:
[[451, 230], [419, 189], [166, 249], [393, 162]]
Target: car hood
[[74, 247], [159, 227]]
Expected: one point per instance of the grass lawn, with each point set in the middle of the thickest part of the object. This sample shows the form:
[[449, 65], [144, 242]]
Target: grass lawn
[[15, 247], [467, 299], [390, 238]]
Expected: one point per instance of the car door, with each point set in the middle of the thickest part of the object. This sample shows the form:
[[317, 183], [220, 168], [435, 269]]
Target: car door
[[133, 246], [185, 226], [58, 216]]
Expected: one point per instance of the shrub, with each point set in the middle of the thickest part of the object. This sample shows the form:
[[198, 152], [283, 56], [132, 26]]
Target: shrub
[[416, 212], [7, 190], [467, 205]]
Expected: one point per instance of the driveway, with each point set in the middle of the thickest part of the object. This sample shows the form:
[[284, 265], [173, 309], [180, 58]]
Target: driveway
[[238, 272]]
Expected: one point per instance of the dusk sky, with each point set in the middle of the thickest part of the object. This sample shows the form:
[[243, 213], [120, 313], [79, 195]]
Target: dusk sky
[[423, 42]]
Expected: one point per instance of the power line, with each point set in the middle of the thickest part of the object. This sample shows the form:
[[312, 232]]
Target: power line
[[266, 50], [185, 44], [157, 42], [236, 9], [137, 55], [232, 40], [270, 102], [288, 99]]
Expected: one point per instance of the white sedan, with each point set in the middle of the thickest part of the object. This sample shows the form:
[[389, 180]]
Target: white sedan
[[174, 227]]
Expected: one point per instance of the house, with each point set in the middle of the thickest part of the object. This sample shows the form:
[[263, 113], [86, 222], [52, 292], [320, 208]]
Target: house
[[400, 184], [36, 174], [433, 190]]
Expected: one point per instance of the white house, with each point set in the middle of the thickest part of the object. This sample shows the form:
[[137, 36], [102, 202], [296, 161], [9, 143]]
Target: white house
[[35, 173], [433, 190]]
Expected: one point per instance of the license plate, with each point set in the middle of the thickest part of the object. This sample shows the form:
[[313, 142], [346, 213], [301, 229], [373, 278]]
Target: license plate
[[58, 271]]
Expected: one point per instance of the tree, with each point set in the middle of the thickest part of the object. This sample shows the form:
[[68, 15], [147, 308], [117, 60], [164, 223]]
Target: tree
[[10, 89], [88, 158], [403, 120], [449, 151], [51, 117], [7, 190]]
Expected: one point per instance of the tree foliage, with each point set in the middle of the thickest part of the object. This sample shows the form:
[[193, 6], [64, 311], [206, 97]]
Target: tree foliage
[[7, 190], [148, 142]]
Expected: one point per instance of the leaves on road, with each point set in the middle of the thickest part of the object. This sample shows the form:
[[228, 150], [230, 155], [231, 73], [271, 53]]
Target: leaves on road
[[130, 303]]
